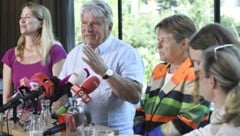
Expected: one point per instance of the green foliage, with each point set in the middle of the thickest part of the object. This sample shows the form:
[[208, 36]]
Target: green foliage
[[229, 23], [150, 59], [200, 11], [139, 32]]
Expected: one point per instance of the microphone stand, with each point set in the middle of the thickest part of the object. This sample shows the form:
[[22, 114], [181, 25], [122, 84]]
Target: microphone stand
[[14, 118], [35, 106], [2, 123]]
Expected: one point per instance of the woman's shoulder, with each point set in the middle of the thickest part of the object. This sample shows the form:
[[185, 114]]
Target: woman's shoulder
[[57, 52], [10, 53], [57, 49], [57, 46], [9, 57]]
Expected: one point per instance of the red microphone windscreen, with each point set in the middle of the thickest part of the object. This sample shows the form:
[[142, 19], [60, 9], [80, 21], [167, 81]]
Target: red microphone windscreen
[[90, 84], [40, 77], [45, 82], [37, 80]]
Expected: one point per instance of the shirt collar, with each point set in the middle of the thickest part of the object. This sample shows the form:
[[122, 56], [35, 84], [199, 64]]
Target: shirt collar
[[103, 46]]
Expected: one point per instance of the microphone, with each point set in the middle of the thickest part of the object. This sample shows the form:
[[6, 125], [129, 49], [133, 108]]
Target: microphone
[[55, 129], [40, 84], [73, 120], [80, 91], [39, 81], [76, 78], [19, 99], [62, 109], [22, 90], [48, 87], [16, 100], [53, 88], [29, 90]]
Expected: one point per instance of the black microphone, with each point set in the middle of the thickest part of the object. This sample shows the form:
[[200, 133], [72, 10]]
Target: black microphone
[[73, 120], [55, 129], [39, 85], [87, 120], [19, 99], [76, 78], [16, 100], [30, 90]]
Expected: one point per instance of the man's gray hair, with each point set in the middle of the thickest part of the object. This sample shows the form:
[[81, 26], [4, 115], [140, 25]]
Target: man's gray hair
[[98, 8]]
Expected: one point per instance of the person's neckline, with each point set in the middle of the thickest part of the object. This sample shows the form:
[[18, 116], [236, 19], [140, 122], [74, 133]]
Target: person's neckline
[[19, 62], [34, 63]]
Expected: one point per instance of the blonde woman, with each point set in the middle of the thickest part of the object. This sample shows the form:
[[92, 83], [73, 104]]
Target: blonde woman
[[36, 50], [219, 80]]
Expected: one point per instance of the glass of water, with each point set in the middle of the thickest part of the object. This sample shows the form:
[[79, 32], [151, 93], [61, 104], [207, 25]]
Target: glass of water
[[35, 127]]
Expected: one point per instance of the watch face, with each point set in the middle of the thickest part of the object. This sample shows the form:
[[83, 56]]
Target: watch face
[[108, 74]]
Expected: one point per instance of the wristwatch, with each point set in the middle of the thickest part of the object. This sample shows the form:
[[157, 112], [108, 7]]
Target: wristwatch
[[107, 74]]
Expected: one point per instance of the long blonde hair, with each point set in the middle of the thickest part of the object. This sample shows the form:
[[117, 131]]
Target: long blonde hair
[[45, 38], [223, 62]]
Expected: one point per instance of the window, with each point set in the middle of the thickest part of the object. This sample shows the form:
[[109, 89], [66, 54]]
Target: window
[[229, 15]]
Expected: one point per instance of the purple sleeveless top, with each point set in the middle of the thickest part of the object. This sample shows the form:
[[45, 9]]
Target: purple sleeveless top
[[20, 70]]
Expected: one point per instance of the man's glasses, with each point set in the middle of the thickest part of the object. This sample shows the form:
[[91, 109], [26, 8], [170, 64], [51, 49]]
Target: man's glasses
[[220, 47]]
